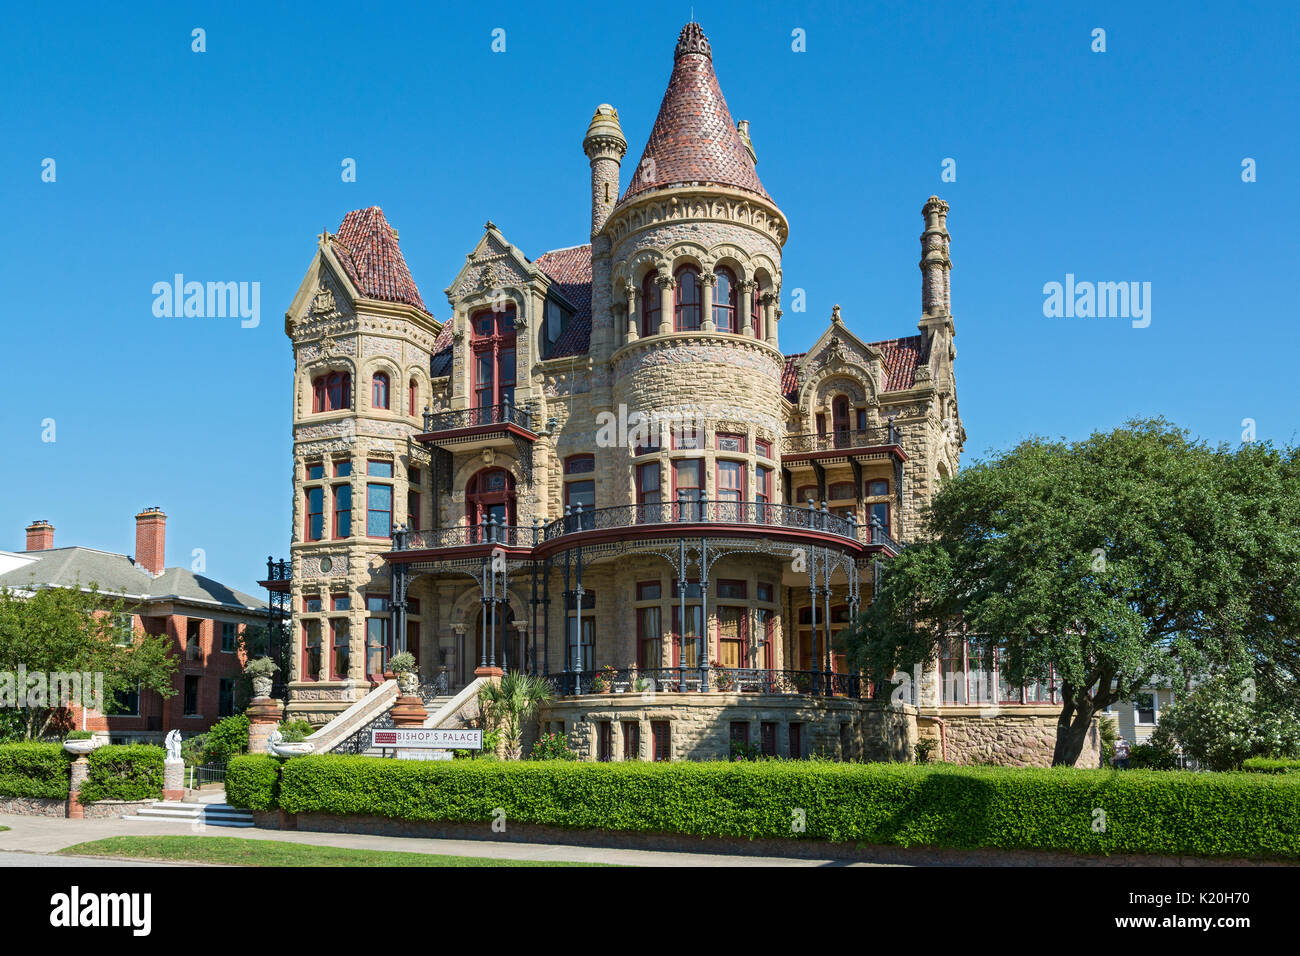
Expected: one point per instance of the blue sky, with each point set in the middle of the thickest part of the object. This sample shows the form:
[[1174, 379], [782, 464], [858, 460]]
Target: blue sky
[[225, 165]]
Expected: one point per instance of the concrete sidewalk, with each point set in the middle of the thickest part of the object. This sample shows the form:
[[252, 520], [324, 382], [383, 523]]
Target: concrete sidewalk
[[45, 835]]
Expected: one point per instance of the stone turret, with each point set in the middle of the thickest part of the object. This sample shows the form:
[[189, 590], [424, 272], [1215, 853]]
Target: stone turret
[[605, 145], [936, 266]]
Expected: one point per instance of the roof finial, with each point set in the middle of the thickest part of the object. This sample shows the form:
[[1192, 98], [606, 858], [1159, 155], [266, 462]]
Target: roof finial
[[693, 40]]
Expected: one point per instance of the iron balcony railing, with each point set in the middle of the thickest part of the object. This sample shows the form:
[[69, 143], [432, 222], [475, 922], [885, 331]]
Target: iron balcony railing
[[874, 436], [278, 570], [506, 413], [727, 513], [689, 680]]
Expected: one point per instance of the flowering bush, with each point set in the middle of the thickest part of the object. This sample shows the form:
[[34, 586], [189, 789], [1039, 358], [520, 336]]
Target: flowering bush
[[1220, 724]]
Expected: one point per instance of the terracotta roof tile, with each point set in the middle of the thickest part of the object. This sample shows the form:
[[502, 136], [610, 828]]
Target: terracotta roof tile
[[367, 246], [570, 271], [902, 357], [694, 139], [440, 360]]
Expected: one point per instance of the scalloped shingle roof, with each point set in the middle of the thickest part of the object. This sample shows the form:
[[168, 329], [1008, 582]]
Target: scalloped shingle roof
[[367, 246]]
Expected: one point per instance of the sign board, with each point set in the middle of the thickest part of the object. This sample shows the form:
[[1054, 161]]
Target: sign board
[[427, 738], [425, 755]]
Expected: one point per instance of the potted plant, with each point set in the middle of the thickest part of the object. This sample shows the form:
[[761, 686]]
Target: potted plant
[[81, 742], [722, 677], [261, 671], [403, 667]]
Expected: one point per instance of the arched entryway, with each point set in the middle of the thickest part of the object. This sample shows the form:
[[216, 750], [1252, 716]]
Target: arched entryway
[[508, 642]]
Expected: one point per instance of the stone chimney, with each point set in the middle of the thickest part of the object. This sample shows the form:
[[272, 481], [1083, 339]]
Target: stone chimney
[[150, 538], [936, 293], [605, 146], [40, 536]]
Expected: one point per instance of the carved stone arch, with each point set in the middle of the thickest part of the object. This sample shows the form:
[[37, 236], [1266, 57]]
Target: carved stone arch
[[734, 258], [478, 462], [309, 371], [813, 389], [372, 364], [688, 253], [465, 610]]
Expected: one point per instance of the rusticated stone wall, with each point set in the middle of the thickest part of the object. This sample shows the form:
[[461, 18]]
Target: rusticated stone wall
[[1011, 737]]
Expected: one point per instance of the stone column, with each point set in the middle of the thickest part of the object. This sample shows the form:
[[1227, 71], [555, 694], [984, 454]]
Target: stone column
[[744, 297], [78, 772], [769, 300], [630, 291], [665, 283], [263, 717], [708, 282], [174, 778]]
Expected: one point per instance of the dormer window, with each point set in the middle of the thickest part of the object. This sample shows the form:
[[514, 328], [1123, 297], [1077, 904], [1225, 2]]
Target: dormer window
[[686, 304], [379, 390], [493, 345], [557, 319], [724, 302], [332, 392]]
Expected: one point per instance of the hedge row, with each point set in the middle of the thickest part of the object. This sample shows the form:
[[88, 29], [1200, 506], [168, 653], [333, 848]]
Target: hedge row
[[1272, 765], [130, 772], [253, 782], [1078, 811], [34, 770]]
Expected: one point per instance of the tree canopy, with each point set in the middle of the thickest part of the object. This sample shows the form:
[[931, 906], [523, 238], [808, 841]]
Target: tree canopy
[[1132, 553]]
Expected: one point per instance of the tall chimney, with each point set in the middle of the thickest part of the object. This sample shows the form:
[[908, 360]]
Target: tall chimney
[[605, 145], [150, 537], [935, 263], [40, 536]]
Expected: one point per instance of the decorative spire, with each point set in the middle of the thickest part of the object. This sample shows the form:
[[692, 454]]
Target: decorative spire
[[693, 40]]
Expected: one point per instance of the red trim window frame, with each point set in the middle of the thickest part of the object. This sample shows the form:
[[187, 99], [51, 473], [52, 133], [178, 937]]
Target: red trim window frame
[[688, 301], [479, 502], [729, 488], [651, 304], [649, 617], [314, 529], [380, 387], [756, 312], [692, 511], [764, 625], [763, 481], [341, 513], [335, 634], [649, 484], [308, 648], [332, 392], [372, 511], [763, 448], [725, 313], [412, 397], [694, 612], [731, 442], [728, 591], [661, 740], [492, 343]]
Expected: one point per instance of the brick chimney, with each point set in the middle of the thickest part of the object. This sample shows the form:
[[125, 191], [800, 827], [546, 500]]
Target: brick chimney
[[40, 536], [150, 535]]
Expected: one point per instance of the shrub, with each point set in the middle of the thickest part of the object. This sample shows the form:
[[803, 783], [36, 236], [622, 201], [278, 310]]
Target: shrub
[[253, 782], [261, 667], [552, 747], [402, 663], [1222, 723], [226, 738], [295, 731], [924, 748], [79, 735], [1179, 813], [1271, 765], [1152, 756], [34, 770], [130, 772], [742, 750]]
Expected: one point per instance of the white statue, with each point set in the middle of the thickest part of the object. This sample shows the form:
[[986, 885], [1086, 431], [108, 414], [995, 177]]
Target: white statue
[[173, 744]]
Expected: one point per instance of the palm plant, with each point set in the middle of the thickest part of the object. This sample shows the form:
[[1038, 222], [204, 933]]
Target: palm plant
[[510, 703]]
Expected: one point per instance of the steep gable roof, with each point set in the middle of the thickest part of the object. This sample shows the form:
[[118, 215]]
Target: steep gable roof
[[694, 140], [570, 271], [901, 357], [367, 247]]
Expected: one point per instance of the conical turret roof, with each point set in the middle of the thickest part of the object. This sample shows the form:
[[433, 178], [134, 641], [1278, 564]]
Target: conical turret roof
[[694, 140]]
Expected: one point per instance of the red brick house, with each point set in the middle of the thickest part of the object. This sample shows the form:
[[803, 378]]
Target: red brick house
[[202, 617]]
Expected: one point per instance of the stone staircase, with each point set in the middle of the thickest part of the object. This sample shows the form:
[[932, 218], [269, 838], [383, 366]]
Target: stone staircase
[[209, 814]]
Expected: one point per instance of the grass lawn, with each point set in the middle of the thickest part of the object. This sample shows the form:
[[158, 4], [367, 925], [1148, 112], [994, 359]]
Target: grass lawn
[[236, 851]]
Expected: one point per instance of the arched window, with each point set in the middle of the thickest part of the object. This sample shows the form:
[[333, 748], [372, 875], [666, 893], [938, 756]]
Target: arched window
[[379, 390], [686, 305], [493, 344], [331, 392], [412, 398], [724, 302], [489, 494], [651, 303]]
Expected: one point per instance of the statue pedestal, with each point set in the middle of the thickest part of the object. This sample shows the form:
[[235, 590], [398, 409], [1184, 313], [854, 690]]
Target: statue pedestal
[[173, 779], [489, 672], [79, 771], [408, 712], [263, 717]]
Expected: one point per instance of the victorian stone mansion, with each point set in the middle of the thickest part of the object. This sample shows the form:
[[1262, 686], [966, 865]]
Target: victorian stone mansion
[[457, 492]]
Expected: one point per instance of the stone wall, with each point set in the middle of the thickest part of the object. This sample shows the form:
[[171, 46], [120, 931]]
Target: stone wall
[[700, 724], [1011, 737]]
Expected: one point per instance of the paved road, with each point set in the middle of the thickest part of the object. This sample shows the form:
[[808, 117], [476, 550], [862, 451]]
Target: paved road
[[45, 835], [39, 859]]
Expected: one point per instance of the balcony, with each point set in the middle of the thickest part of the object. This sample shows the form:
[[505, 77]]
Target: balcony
[[279, 576], [873, 440], [636, 682], [478, 427]]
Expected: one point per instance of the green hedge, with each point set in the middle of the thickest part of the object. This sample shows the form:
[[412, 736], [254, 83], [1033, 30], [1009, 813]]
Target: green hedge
[[253, 782], [34, 770], [1169, 812], [130, 772], [1271, 765]]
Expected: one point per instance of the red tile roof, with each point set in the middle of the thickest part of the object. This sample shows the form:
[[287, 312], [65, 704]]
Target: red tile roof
[[440, 360], [570, 271], [902, 357], [367, 246], [694, 139]]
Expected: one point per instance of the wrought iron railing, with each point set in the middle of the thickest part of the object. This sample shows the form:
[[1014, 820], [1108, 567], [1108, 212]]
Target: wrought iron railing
[[278, 570], [694, 679], [875, 533], [873, 436], [506, 413]]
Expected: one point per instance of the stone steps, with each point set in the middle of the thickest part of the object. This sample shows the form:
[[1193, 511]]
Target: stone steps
[[209, 814]]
